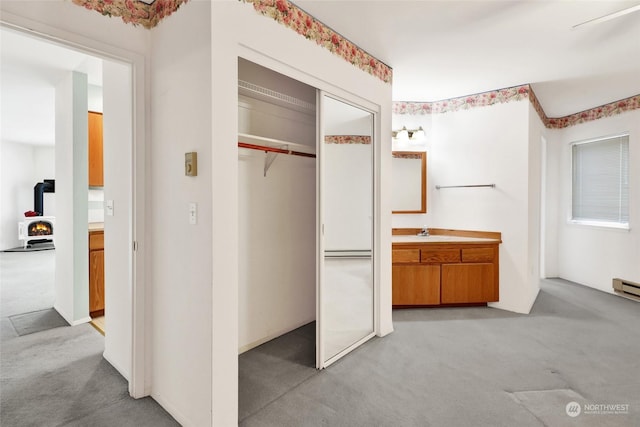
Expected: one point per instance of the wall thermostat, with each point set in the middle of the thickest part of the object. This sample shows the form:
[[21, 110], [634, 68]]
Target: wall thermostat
[[191, 164]]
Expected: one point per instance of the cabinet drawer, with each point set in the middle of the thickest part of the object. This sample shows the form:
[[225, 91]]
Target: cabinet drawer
[[440, 255], [405, 255], [478, 255], [96, 240]]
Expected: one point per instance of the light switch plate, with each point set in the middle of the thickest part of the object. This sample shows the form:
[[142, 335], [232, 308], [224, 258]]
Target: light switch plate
[[108, 204], [193, 213], [191, 163]]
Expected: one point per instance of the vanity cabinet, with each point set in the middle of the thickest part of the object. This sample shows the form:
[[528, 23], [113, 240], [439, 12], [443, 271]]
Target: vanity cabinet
[[96, 273], [413, 282], [444, 270]]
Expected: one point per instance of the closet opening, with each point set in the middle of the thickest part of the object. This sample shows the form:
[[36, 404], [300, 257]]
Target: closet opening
[[306, 231], [277, 234]]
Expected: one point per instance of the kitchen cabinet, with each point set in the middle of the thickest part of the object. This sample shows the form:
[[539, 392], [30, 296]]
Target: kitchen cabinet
[[96, 160], [96, 273], [445, 269]]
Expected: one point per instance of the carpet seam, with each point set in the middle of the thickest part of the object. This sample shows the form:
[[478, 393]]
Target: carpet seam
[[279, 397]]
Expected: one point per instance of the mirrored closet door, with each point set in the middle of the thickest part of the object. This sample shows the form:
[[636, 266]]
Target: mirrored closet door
[[345, 311]]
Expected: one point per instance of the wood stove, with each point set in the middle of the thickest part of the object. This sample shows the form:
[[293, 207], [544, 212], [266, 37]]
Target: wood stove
[[36, 229]]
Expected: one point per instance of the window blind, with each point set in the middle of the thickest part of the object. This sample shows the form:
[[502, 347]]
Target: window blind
[[601, 180]]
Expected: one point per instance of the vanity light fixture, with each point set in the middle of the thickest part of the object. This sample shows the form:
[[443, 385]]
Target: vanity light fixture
[[409, 135], [418, 135], [402, 135]]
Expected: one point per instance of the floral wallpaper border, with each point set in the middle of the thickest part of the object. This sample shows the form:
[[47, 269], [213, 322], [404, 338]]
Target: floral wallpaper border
[[133, 12], [282, 11], [516, 93], [405, 155], [291, 16], [600, 112], [288, 14], [483, 99], [347, 139]]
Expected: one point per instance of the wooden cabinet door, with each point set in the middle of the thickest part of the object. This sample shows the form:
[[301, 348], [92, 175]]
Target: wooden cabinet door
[[96, 281], [468, 283], [415, 284], [96, 167]]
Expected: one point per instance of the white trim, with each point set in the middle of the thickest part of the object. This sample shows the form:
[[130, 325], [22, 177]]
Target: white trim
[[600, 138], [273, 335], [66, 318], [320, 259], [139, 381], [600, 224], [347, 350], [180, 417]]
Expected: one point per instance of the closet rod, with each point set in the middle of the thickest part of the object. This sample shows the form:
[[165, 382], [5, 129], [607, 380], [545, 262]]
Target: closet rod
[[274, 150]]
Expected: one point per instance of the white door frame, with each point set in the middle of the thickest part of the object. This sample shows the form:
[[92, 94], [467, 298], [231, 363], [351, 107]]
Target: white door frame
[[139, 381]]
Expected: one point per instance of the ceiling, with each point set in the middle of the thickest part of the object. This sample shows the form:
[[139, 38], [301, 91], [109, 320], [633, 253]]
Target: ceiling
[[445, 49], [29, 71], [438, 50]]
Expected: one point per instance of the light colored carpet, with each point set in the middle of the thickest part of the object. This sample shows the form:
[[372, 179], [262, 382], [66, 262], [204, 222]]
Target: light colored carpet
[[473, 366], [57, 377]]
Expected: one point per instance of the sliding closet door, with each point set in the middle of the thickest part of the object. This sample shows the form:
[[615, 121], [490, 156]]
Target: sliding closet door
[[345, 292]]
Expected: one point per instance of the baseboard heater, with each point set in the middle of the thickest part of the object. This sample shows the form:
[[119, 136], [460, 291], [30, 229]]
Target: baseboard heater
[[627, 288]]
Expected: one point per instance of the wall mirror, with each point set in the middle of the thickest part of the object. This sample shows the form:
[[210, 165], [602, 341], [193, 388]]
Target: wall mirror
[[346, 296], [409, 187]]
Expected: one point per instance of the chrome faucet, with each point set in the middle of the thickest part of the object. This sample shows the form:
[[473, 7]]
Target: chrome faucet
[[424, 231]]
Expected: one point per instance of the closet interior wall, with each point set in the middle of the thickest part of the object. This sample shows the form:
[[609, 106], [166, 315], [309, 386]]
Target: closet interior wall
[[277, 271]]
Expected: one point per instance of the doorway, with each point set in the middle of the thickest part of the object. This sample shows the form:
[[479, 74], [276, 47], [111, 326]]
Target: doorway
[[122, 266]]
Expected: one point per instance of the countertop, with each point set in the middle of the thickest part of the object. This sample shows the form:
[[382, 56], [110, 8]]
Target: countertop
[[96, 226], [440, 239]]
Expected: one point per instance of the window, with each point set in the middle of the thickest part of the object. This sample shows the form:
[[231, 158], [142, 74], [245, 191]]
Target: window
[[600, 186]]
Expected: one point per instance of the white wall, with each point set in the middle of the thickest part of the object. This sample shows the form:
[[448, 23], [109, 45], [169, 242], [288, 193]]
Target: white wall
[[537, 132], [488, 146], [59, 17], [277, 241], [237, 30], [72, 263], [181, 255], [594, 255], [257, 117]]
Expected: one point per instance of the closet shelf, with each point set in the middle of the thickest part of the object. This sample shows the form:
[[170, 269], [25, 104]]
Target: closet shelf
[[272, 147]]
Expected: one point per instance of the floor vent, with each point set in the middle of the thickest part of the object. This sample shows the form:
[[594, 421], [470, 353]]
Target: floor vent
[[627, 288]]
